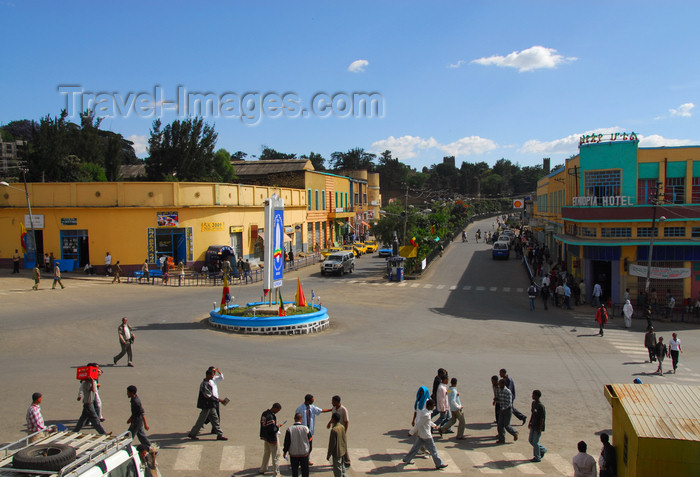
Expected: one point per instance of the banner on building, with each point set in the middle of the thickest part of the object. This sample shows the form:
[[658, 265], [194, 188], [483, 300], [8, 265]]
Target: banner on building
[[660, 273], [518, 203]]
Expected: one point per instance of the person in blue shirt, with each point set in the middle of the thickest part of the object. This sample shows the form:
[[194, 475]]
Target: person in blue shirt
[[308, 415]]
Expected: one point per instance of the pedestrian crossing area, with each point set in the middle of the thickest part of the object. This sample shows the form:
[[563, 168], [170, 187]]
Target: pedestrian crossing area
[[437, 286], [243, 460]]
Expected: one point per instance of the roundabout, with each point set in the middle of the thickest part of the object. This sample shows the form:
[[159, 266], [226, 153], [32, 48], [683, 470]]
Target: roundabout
[[266, 324]]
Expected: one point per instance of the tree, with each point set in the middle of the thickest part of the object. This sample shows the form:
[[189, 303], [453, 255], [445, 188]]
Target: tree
[[238, 156], [269, 153], [182, 151], [353, 159], [223, 170], [317, 160]]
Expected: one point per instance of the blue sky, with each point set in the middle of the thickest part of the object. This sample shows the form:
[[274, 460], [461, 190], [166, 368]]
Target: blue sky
[[481, 80]]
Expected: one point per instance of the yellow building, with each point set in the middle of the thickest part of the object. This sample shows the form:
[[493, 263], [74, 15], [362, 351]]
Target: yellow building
[[656, 429], [137, 221]]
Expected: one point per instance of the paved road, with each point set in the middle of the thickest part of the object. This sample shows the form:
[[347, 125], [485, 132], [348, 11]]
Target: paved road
[[468, 314]]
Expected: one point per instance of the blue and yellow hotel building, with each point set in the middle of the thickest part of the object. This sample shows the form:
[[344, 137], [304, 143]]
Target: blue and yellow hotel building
[[595, 214]]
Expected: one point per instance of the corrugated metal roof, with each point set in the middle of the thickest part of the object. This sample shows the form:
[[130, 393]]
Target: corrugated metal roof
[[663, 411], [272, 166]]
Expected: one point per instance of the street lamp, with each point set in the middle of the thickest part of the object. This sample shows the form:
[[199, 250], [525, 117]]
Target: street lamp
[[29, 206]]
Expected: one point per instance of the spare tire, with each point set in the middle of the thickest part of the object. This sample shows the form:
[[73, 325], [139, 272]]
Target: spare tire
[[44, 457]]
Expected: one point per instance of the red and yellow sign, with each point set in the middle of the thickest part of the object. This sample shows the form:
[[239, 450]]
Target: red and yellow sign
[[518, 203]]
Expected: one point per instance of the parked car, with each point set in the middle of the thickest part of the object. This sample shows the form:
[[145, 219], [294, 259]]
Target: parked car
[[353, 249], [327, 251], [360, 246], [501, 249], [339, 263], [385, 252]]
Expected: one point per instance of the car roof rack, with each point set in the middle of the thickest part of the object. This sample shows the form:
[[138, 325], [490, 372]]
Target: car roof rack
[[89, 448]]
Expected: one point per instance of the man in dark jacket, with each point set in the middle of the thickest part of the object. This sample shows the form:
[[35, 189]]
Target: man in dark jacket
[[608, 459], [207, 403], [268, 434], [510, 384], [536, 426]]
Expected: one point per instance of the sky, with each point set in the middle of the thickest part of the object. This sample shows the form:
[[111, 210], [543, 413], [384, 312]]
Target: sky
[[478, 80]]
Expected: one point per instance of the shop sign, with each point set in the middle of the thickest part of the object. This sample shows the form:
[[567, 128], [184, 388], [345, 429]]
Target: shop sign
[[288, 230], [69, 221], [212, 226], [167, 219], [235, 229], [37, 221], [612, 201], [660, 273], [338, 210], [612, 137]]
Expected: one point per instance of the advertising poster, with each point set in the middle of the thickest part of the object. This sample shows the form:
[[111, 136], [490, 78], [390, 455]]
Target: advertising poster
[[167, 219], [277, 254]]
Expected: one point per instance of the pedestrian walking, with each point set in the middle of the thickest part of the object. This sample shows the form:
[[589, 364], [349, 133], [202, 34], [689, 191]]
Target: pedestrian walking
[[597, 294], [582, 287], [15, 261], [342, 411], [670, 304], [308, 415], [532, 294], [584, 464], [247, 271], [536, 426], [647, 315], [145, 273], [567, 296], [57, 277], [456, 411], [88, 388], [126, 340], [36, 275], [443, 403], [108, 264], [98, 400], [297, 442], [206, 402], [544, 293], [218, 377], [607, 462], [510, 384], [47, 263], [601, 317], [674, 348], [494, 386], [337, 446], [650, 343], [137, 421], [35, 421], [268, 434], [628, 311], [424, 438], [437, 380], [661, 352], [505, 409], [117, 273]]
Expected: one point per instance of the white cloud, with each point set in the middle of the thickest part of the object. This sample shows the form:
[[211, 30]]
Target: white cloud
[[406, 147], [358, 66], [140, 144], [683, 111], [565, 145], [456, 65], [659, 141], [531, 59]]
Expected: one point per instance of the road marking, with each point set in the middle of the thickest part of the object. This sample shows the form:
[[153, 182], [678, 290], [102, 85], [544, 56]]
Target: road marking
[[360, 461], [525, 468], [453, 287], [506, 289], [388, 284], [188, 458], [468, 287], [427, 285], [451, 466], [233, 459], [559, 463], [403, 284], [440, 287], [519, 290], [480, 288], [482, 462], [493, 289], [415, 285]]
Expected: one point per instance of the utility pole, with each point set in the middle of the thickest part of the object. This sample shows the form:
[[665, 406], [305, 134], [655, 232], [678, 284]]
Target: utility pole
[[655, 202]]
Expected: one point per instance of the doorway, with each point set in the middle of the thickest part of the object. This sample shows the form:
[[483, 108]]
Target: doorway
[[602, 273], [171, 243]]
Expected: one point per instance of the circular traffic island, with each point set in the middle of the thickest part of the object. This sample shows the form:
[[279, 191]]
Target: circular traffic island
[[261, 318]]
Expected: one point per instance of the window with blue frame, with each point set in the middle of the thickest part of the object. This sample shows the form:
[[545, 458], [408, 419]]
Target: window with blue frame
[[674, 191], [646, 189], [611, 232], [645, 232], [602, 183], [674, 231]]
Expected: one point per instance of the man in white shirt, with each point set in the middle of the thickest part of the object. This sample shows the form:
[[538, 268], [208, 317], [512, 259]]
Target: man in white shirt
[[674, 348], [584, 464], [218, 377], [108, 264], [422, 431], [456, 411]]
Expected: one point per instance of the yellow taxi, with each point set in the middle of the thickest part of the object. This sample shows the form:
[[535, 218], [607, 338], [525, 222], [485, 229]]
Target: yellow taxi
[[372, 246], [353, 249], [361, 247], [327, 251]]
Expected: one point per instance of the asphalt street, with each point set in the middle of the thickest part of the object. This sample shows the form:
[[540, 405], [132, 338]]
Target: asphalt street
[[468, 314]]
